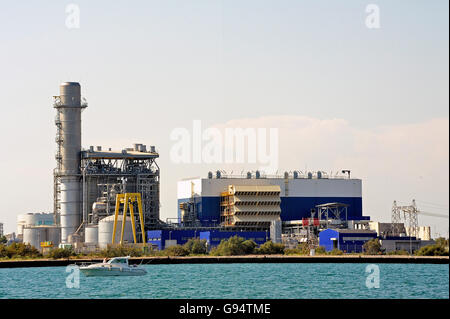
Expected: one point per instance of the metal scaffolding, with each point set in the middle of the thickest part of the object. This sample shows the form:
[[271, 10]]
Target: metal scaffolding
[[407, 215], [106, 174]]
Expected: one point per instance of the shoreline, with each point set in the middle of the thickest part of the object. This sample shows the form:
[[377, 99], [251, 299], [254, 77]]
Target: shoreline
[[236, 259]]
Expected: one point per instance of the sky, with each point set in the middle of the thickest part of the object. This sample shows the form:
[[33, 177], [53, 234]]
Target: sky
[[342, 95]]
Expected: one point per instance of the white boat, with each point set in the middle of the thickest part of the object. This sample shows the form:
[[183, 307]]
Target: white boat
[[117, 266]]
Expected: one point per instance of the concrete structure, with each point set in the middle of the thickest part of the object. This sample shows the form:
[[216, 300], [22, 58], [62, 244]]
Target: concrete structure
[[347, 240], [409, 244], [422, 232], [276, 232], [299, 194], [385, 229]]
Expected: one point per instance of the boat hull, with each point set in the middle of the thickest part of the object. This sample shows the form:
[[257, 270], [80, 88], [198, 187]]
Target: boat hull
[[113, 271]]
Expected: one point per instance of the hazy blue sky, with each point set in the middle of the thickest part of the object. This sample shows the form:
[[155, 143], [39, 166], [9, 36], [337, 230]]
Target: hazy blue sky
[[147, 67]]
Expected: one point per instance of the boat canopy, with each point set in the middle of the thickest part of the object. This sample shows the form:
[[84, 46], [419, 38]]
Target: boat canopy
[[119, 260]]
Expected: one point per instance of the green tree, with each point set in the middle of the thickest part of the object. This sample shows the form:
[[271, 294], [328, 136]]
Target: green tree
[[372, 247], [301, 249], [432, 250], [3, 240], [441, 241], [196, 246], [249, 246], [320, 250], [58, 253], [336, 251], [232, 246], [176, 250], [269, 248], [16, 250]]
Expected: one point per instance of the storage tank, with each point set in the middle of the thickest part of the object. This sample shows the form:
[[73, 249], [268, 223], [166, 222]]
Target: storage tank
[[31, 220], [91, 234], [20, 224], [53, 234], [105, 231], [33, 236]]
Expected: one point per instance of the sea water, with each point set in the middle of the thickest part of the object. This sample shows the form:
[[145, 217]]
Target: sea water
[[230, 281]]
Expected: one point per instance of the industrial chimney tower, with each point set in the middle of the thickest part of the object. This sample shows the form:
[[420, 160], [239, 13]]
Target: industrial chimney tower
[[67, 175]]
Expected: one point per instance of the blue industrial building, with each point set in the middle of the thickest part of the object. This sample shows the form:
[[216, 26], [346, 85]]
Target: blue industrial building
[[298, 195], [214, 237], [347, 240], [181, 236]]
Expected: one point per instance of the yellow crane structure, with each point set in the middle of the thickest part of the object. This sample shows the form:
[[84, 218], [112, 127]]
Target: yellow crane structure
[[128, 200]]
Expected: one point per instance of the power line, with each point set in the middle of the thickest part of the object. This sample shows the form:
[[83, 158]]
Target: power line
[[432, 204], [432, 214]]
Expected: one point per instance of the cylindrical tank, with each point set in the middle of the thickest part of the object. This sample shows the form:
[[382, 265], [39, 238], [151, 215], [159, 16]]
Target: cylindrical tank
[[105, 231], [70, 206], [30, 219], [20, 224], [69, 112], [91, 234], [74, 239], [53, 234], [33, 236]]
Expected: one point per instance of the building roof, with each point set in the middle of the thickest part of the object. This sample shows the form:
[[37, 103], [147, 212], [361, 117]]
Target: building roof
[[333, 205], [353, 231], [119, 155]]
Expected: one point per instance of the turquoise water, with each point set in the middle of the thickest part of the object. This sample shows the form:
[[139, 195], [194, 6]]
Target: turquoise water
[[228, 281]]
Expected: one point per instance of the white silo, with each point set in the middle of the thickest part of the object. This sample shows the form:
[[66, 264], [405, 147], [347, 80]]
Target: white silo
[[33, 236], [105, 231], [68, 138], [91, 234]]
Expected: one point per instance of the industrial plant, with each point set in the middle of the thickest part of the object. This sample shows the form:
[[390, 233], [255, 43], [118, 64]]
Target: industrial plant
[[91, 184]]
